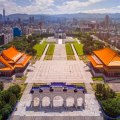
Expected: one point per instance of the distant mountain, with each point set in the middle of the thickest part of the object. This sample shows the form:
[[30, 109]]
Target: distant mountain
[[69, 16], [16, 16]]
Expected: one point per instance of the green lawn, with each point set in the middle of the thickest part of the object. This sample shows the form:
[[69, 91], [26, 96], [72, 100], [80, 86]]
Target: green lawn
[[79, 84], [78, 48], [50, 50], [98, 78], [69, 50], [40, 48]]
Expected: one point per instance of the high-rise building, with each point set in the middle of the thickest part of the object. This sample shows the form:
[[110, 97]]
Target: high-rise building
[[4, 15], [31, 19], [0, 17], [107, 21], [19, 21]]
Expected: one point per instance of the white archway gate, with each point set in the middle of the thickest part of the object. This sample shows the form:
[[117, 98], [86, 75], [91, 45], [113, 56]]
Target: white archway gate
[[61, 90]]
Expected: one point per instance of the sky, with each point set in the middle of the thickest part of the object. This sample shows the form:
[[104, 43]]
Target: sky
[[59, 6]]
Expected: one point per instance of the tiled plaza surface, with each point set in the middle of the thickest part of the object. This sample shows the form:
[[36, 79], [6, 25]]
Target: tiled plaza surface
[[59, 52], [59, 71]]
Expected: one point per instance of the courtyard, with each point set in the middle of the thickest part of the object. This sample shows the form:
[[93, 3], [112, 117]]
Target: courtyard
[[61, 71]]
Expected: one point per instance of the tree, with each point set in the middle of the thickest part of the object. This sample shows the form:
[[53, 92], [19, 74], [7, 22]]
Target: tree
[[6, 111], [13, 100], [5, 96], [100, 88], [102, 92], [112, 106], [15, 90], [1, 86], [2, 103]]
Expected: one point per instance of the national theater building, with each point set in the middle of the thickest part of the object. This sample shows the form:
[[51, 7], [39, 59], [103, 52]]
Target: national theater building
[[105, 61], [12, 61]]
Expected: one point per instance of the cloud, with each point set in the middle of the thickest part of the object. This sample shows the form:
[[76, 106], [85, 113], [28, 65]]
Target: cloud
[[51, 6], [75, 5], [105, 10], [36, 6]]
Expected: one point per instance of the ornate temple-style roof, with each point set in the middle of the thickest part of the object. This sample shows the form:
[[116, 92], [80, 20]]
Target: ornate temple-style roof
[[105, 56], [6, 66], [11, 58], [12, 54]]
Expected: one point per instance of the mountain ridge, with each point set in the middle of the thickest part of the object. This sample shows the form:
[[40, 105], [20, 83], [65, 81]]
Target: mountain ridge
[[74, 15]]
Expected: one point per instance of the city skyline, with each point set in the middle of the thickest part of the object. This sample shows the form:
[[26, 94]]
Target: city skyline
[[60, 7]]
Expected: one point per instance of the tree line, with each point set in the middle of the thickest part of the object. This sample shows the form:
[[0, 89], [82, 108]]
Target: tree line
[[109, 100], [8, 100]]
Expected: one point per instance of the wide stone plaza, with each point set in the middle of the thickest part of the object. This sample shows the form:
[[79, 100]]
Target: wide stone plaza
[[62, 71], [59, 69]]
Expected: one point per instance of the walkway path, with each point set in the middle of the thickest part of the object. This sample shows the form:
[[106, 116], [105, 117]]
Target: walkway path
[[60, 52], [86, 75], [89, 88], [42, 58], [76, 56]]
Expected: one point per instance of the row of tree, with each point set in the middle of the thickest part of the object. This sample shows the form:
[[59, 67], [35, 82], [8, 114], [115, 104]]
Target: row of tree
[[109, 99], [24, 44], [89, 44], [8, 100]]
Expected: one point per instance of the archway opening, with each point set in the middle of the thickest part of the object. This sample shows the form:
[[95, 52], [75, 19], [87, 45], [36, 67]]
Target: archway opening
[[60, 37], [45, 101], [36, 102], [70, 102], [79, 102], [58, 101]]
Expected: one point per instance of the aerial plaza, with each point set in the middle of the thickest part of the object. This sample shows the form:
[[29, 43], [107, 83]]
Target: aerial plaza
[[59, 60], [59, 86]]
